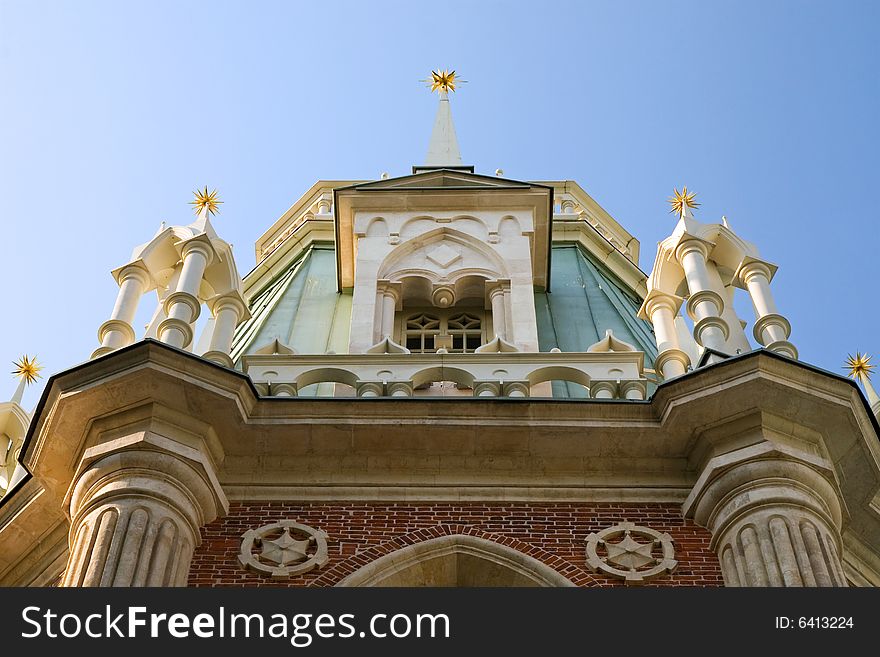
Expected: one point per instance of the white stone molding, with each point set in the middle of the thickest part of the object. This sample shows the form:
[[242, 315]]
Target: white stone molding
[[136, 505], [496, 345], [387, 346], [603, 389], [616, 551], [620, 373], [487, 389], [283, 549], [275, 348], [775, 517], [610, 344]]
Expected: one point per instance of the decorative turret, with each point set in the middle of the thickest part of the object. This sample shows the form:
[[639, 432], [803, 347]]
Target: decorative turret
[[186, 266], [703, 264], [14, 421]]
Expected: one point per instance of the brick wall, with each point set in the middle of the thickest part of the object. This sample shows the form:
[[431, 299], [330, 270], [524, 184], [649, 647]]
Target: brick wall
[[358, 533]]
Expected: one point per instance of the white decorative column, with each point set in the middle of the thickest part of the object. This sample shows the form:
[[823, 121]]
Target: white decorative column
[[136, 505], [182, 306], [771, 329], [705, 305], [390, 300], [229, 310], [775, 518], [118, 332], [497, 300], [661, 309]]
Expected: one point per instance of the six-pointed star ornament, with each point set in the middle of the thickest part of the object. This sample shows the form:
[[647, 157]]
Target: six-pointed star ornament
[[285, 549]]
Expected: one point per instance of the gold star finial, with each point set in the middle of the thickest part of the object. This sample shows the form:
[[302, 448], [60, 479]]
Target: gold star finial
[[859, 365], [443, 79], [682, 200], [205, 199], [27, 368]]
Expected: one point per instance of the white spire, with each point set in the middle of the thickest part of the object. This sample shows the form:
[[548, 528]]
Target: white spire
[[443, 149]]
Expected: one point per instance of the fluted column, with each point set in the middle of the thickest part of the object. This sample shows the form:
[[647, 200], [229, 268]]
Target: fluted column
[[771, 329], [775, 521], [229, 310], [136, 506], [182, 306], [118, 332], [705, 305], [661, 310]]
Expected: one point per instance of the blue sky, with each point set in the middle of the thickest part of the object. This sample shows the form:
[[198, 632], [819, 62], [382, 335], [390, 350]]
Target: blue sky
[[112, 113]]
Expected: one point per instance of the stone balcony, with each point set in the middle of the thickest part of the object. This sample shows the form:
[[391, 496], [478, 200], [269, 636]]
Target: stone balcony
[[605, 375]]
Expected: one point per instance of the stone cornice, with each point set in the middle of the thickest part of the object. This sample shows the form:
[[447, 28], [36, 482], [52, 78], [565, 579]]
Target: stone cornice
[[452, 448]]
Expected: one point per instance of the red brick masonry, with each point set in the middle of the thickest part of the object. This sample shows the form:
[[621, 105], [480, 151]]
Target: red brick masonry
[[358, 533]]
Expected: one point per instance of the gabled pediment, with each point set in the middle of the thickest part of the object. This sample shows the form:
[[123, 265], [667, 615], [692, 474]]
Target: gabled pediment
[[440, 178]]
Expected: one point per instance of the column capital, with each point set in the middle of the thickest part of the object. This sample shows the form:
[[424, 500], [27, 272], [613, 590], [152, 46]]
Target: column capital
[[232, 300], [657, 300], [136, 270], [393, 289], [751, 267], [688, 243], [496, 286], [775, 514], [198, 244]]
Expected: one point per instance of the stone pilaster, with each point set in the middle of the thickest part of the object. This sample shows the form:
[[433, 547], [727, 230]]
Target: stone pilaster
[[775, 517], [136, 505]]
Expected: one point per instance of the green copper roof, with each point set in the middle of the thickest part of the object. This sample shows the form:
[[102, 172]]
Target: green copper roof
[[301, 309], [586, 300]]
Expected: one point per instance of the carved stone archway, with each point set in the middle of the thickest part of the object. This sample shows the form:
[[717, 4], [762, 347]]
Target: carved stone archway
[[457, 560]]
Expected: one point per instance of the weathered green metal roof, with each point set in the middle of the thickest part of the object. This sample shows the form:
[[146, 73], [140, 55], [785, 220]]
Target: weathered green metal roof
[[587, 299], [302, 309]]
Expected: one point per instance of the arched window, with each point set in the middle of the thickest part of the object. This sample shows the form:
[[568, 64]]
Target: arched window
[[421, 330], [466, 332]]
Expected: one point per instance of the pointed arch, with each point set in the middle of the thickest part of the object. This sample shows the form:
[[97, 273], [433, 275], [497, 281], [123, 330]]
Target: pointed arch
[[395, 265], [568, 573], [456, 560]]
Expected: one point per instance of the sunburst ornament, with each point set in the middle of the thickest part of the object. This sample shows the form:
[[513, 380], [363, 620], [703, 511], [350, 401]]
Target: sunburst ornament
[[682, 200], [27, 368], [859, 366], [444, 80], [206, 200]]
